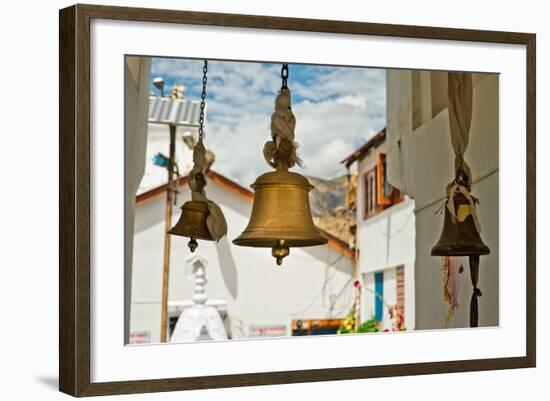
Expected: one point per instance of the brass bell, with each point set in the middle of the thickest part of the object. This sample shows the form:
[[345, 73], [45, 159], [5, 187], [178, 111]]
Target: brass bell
[[281, 216], [192, 223], [200, 217], [460, 236]]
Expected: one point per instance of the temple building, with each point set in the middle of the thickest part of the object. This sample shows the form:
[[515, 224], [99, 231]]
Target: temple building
[[309, 294]]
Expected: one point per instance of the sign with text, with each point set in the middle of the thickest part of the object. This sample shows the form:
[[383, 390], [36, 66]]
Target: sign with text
[[140, 337], [267, 330]]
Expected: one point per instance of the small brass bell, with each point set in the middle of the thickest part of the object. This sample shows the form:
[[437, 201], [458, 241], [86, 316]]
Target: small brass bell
[[460, 236], [192, 223], [281, 216], [196, 212]]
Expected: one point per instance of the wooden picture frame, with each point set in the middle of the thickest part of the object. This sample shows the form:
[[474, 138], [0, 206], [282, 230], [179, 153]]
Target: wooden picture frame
[[75, 210]]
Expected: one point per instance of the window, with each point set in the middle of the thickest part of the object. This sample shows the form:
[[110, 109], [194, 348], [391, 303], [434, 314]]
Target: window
[[370, 185], [384, 190], [379, 296], [379, 193]]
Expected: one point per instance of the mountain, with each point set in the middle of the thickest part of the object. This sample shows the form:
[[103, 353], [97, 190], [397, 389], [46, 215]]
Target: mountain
[[327, 195], [327, 202]]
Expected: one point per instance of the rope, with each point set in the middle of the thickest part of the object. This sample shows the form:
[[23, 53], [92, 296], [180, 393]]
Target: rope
[[280, 152], [215, 221]]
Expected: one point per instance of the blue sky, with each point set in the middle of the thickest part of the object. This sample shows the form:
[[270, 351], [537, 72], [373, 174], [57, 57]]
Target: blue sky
[[337, 109]]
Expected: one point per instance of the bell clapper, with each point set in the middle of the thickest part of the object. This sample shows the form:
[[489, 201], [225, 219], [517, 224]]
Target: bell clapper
[[280, 251], [192, 244]]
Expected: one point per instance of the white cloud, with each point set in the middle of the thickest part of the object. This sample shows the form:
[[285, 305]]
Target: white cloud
[[336, 109], [358, 101]]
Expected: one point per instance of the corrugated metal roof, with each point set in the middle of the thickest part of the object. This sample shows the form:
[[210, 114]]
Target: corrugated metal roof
[[165, 110]]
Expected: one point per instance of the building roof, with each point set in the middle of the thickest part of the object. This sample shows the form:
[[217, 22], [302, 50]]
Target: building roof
[[232, 186], [182, 112], [216, 177], [359, 153]]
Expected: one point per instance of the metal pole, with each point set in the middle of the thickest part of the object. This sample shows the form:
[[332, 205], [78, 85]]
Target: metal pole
[[167, 226]]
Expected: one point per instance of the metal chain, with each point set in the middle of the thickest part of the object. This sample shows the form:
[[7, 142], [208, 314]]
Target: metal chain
[[203, 99], [284, 76]]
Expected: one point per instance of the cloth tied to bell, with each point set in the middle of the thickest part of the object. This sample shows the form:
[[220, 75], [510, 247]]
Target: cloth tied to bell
[[452, 267], [282, 146], [454, 189], [460, 120], [215, 221]]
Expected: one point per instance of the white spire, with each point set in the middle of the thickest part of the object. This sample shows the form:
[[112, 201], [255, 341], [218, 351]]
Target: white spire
[[199, 318], [199, 297]]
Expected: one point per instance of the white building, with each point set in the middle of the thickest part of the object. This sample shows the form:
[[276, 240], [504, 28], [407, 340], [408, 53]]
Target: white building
[[309, 293], [421, 163], [385, 237]]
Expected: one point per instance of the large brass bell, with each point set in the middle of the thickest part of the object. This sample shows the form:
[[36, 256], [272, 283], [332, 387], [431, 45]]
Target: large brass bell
[[192, 223], [281, 216], [460, 236]]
